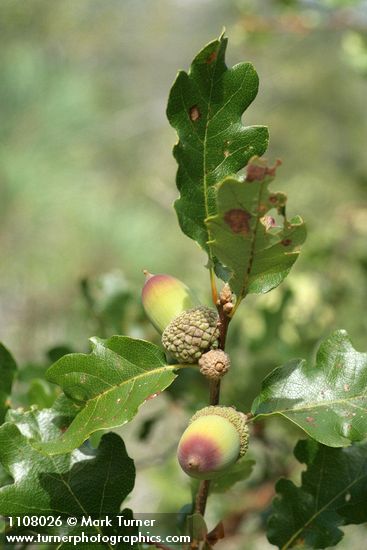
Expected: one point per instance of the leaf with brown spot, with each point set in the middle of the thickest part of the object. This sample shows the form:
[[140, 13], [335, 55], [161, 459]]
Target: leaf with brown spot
[[211, 58], [238, 220], [258, 255], [194, 113], [286, 242], [205, 107], [329, 403]]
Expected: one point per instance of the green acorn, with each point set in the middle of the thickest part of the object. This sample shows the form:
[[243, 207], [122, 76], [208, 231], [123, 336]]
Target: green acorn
[[164, 297], [191, 334], [214, 440]]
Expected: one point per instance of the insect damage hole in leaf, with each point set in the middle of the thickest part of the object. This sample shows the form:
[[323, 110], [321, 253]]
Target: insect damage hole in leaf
[[257, 246]]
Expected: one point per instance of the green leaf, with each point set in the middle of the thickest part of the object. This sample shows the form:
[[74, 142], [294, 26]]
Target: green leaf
[[109, 384], [41, 393], [108, 299], [62, 484], [240, 471], [205, 108], [196, 527], [5, 479], [327, 400], [258, 251], [56, 352], [333, 493], [8, 369]]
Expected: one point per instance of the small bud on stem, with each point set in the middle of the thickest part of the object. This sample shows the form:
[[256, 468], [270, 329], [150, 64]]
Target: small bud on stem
[[225, 295]]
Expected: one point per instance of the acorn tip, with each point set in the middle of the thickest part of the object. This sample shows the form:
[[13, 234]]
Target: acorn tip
[[147, 274], [193, 463]]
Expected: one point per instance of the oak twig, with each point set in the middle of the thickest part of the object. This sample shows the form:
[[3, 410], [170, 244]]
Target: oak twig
[[203, 492]]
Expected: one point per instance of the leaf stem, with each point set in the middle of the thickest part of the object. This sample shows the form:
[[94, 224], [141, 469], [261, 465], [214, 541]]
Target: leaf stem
[[213, 286], [238, 301]]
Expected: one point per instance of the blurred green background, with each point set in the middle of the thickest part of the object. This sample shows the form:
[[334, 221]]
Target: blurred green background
[[87, 185]]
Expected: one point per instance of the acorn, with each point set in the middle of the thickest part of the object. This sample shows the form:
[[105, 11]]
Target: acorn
[[191, 334], [214, 440], [164, 297], [214, 364]]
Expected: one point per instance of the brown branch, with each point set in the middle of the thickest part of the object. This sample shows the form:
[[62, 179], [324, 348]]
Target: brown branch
[[202, 497], [224, 321], [214, 390], [203, 492]]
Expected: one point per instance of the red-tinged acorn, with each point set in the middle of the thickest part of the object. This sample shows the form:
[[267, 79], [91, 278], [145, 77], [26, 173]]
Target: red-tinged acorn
[[214, 440], [164, 297]]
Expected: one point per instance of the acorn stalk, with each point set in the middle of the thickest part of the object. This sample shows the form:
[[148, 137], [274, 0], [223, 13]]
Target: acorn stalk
[[164, 297]]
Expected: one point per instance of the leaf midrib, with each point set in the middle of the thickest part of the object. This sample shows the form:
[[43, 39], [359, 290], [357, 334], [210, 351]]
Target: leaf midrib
[[61, 474], [320, 511], [132, 380], [205, 145], [318, 405], [247, 274]]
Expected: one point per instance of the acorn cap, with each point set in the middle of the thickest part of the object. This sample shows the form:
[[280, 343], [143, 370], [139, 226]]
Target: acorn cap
[[238, 420], [191, 334], [214, 364], [164, 297]]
